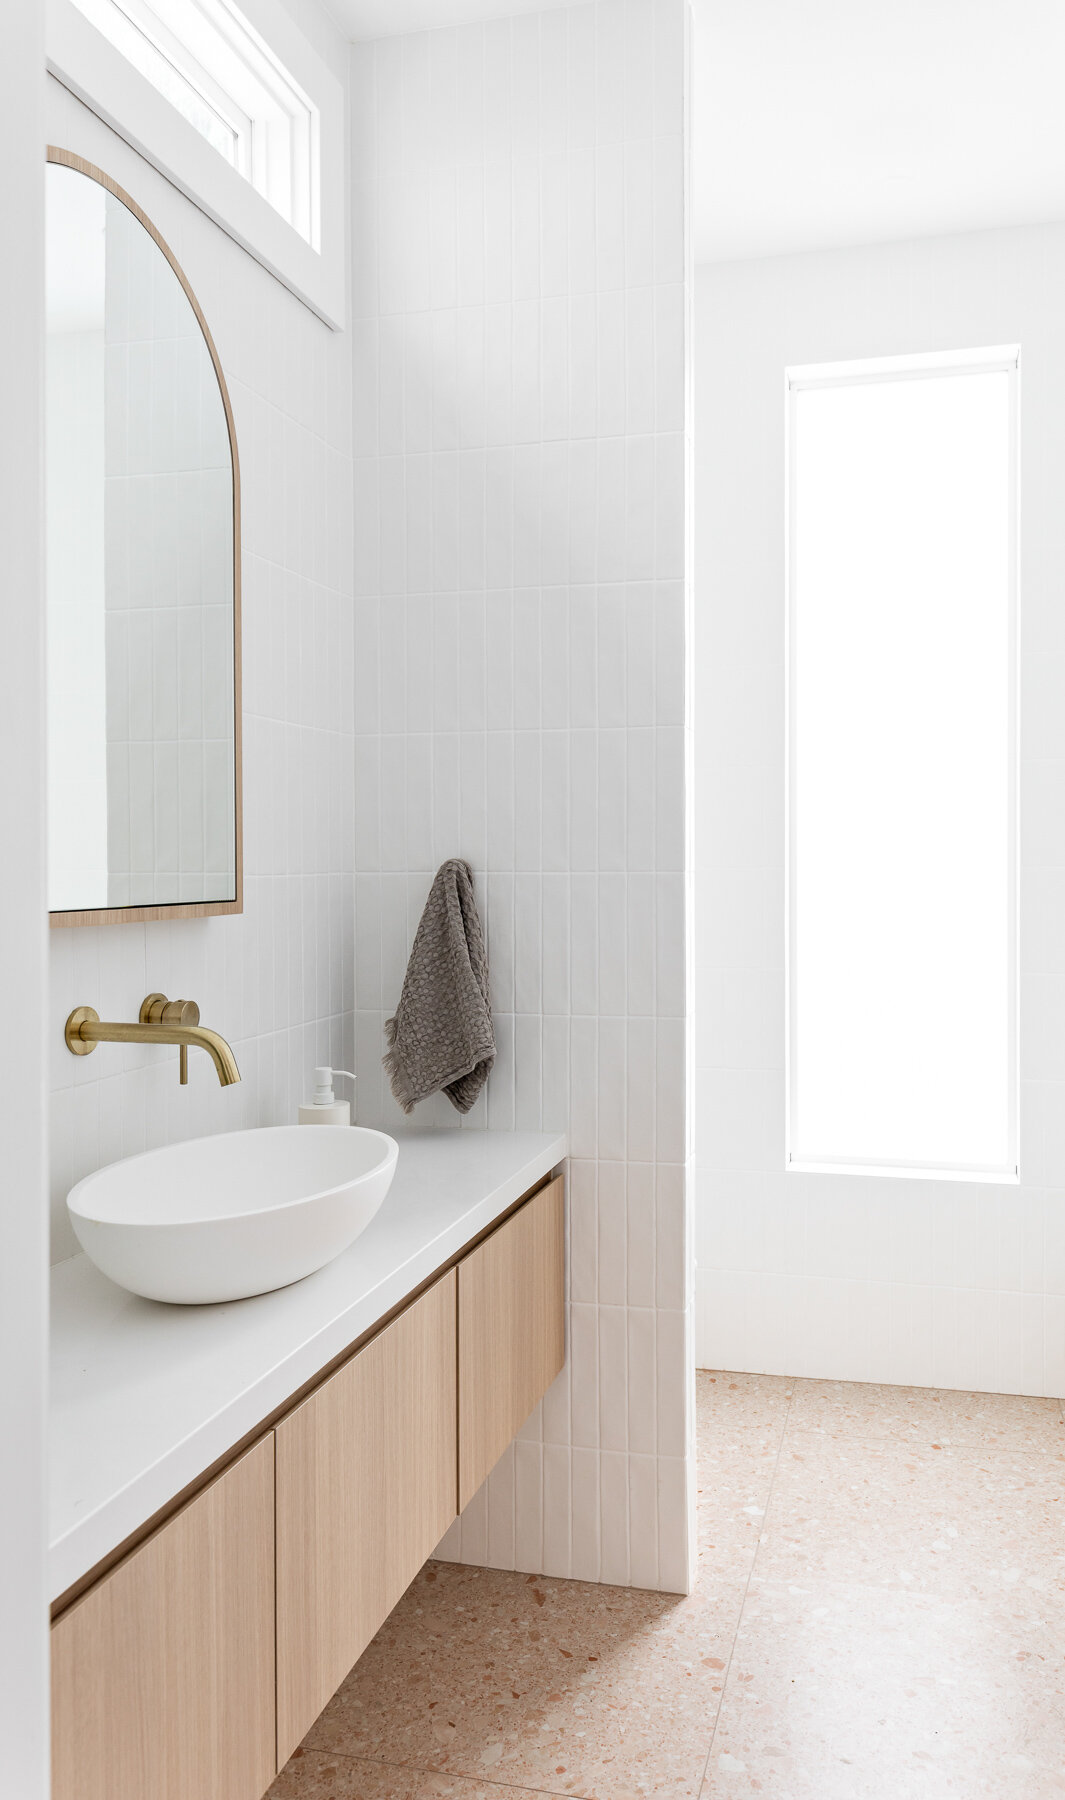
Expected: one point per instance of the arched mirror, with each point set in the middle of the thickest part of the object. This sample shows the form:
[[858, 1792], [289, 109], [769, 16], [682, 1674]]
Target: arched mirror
[[143, 572]]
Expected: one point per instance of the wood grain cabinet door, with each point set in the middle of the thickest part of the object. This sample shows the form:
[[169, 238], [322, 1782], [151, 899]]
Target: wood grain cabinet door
[[163, 1673], [512, 1332], [365, 1492]]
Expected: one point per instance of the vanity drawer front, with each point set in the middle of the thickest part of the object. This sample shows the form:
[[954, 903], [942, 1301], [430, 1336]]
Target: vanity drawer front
[[163, 1673], [512, 1330], [365, 1492]]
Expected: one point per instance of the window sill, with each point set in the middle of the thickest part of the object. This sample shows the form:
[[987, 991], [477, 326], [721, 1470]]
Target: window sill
[[906, 1172]]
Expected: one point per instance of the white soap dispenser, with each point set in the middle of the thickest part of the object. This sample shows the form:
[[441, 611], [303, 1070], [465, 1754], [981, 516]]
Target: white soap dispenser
[[325, 1108]]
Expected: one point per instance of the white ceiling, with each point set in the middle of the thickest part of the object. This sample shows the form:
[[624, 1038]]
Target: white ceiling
[[391, 18], [827, 122]]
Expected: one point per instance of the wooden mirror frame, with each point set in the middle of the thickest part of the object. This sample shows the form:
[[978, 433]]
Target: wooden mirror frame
[[180, 909]]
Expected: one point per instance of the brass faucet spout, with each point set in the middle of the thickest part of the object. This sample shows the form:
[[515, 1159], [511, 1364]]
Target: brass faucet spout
[[85, 1029]]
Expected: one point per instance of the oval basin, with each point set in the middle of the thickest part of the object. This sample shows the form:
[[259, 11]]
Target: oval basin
[[221, 1218]]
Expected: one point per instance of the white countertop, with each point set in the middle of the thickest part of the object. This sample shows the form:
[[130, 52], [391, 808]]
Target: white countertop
[[145, 1397]]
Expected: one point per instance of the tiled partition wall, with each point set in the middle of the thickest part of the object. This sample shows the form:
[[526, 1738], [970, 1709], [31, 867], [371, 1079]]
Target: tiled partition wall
[[519, 437], [277, 981], [933, 1283]]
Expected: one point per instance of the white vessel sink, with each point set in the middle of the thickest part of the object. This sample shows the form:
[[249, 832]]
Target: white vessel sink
[[220, 1218]]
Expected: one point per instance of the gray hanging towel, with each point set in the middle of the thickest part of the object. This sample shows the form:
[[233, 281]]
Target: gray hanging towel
[[441, 1036]]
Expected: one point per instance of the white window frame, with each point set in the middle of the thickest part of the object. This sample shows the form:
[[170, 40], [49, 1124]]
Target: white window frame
[[86, 63], [144, 22], [1004, 359]]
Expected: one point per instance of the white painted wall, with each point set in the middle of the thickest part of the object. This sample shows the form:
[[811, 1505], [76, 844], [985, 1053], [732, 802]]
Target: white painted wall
[[277, 981], [932, 1283], [23, 1207], [519, 267]]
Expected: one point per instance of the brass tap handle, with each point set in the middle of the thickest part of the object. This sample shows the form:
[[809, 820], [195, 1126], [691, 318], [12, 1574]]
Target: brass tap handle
[[156, 1009], [181, 1012]]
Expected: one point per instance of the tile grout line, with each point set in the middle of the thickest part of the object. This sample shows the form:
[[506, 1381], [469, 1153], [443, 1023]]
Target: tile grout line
[[380, 1762], [746, 1589]]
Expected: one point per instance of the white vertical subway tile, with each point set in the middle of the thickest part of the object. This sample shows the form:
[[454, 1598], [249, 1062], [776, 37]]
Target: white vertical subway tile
[[610, 512], [556, 1412], [614, 1517], [556, 1074], [583, 1207], [584, 807], [613, 902], [673, 1360], [585, 1537], [643, 1521], [671, 1270], [584, 1374], [640, 926], [676, 1550], [520, 495], [642, 1227], [584, 1088], [556, 514], [557, 1509], [640, 220], [500, 1486], [643, 1133], [583, 326], [554, 749], [611, 362], [612, 1089], [611, 798], [611, 1256], [614, 1386], [640, 511], [529, 1507], [644, 1399], [668, 202]]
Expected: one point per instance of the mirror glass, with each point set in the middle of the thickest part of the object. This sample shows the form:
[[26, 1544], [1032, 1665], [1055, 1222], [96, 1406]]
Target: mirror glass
[[142, 594]]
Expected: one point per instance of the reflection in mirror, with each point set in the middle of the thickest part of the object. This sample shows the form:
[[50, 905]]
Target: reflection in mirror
[[142, 600]]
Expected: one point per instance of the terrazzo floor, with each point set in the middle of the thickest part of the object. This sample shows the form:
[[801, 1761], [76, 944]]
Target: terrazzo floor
[[879, 1614]]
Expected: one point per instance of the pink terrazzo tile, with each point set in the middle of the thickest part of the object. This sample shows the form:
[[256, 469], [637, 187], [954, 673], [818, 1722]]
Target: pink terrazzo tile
[[942, 1521], [557, 1685], [308, 1776], [311, 1776], [726, 1403], [844, 1693], [901, 1636], [929, 1415], [734, 1478]]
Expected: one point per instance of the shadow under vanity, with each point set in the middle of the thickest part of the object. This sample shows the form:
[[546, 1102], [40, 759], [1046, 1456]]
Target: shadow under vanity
[[240, 1491]]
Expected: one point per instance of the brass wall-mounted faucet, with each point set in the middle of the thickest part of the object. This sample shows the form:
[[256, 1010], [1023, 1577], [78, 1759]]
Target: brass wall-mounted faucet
[[161, 1021]]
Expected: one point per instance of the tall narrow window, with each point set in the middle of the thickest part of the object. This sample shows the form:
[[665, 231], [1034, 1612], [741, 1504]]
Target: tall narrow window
[[902, 527]]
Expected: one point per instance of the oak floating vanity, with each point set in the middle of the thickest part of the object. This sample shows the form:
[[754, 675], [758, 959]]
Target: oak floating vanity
[[192, 1665]]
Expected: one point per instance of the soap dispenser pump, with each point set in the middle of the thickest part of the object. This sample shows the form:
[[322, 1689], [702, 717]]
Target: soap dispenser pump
[[324, 1108]]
